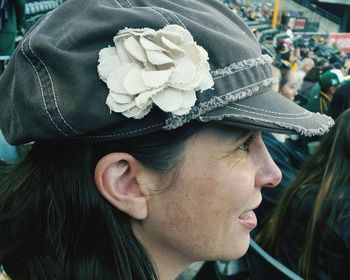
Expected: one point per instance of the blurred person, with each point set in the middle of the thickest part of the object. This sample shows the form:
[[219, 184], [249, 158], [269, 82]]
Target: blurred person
[[308, 231], [306, 65], [148, 153], [288, 84], [340, 101], [12, 23], [311, 79], [322, 62], [329, 82]]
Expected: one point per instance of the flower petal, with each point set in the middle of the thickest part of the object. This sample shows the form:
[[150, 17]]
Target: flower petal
[[143, 99], [105, 53], [117, 107], [181, 111], [135, 49], [123, 54], [121, 98], [158, 58], [153, 79], [133, 82], [137, 31], [184, 71], [188, 98], [194, 84], [171, 46], [168, 100], [116, 78], [106, 66], [192, 52], [174, 37], [137, 113], [148, 45], [207, 80], [186, 35]]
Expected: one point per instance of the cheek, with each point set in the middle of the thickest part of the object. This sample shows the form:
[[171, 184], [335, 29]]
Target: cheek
[[202, 210]]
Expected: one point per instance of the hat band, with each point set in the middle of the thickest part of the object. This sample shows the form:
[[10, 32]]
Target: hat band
[[237, 81]]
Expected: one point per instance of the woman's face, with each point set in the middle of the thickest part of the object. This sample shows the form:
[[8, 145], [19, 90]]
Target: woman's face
[[207, 212], [289, 89]]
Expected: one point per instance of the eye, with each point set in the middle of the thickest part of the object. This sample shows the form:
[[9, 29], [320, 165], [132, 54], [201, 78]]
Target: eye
[[247, 143]]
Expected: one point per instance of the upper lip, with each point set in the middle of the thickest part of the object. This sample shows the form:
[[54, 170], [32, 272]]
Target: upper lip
[[256, 205]]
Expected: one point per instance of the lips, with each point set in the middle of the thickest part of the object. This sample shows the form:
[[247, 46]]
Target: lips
[[248, 219]]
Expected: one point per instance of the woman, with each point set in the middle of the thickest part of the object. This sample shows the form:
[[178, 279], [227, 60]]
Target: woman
[[309, 228], [148, 154], [288, 84]]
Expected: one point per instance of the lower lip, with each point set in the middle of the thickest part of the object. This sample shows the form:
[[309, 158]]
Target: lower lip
[[249, 222]]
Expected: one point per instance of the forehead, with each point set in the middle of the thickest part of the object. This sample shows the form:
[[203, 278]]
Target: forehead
[[222, 133]]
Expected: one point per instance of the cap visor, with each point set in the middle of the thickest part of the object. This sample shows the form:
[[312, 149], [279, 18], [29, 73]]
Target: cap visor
[[270, 111]]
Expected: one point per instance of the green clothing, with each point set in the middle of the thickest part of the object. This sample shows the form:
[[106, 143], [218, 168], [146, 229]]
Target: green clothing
[[15, 20], [319, 104]]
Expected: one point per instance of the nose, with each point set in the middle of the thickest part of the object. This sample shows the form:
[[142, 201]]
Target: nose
[[268, 173]]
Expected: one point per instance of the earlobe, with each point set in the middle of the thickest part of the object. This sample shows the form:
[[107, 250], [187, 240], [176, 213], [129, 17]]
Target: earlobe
[[116, 178]]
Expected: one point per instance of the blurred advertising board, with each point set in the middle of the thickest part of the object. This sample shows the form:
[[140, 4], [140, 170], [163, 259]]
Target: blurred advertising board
[[342, 41]]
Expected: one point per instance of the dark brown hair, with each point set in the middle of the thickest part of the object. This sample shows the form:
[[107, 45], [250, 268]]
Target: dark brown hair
[[325, 177], [56, 225]]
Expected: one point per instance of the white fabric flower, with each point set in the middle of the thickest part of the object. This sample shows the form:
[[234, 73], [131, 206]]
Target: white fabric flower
[[146, 67]]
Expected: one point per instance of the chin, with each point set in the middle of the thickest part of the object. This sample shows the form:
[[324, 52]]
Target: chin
[[237, 249]]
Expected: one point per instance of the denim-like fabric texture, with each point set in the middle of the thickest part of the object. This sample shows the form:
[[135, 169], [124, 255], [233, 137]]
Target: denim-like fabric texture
[[51, 88]]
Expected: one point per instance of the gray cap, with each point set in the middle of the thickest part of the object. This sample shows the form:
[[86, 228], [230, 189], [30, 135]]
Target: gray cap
[[67, 77]]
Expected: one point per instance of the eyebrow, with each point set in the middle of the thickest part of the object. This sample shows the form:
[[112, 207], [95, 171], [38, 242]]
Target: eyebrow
[[238, 135]]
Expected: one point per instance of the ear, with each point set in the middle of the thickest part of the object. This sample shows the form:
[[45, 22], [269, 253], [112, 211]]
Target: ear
[[116, 178]]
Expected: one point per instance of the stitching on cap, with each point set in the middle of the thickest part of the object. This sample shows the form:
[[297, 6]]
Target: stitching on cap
[[38, 76], [153, 9], [266, 115], [52, 85], [118, 4], [122, 133], [171, 12], [130, 3], [41, 89], [169, 15], [249, 117], [124, 4], [271, 112], [300, 129]]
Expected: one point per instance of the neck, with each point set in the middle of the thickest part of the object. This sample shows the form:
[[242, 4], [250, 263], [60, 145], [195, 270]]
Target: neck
[[168, 267], [169, 263]]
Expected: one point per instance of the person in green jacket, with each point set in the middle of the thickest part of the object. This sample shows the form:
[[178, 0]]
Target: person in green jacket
[[13, 24], [329, 82]]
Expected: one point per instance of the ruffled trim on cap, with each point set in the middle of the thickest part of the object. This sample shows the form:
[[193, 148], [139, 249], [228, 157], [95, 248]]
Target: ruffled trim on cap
[[308, 132], [238, 66]]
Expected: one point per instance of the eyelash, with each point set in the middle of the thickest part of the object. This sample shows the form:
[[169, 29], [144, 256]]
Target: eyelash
[[247, 143]]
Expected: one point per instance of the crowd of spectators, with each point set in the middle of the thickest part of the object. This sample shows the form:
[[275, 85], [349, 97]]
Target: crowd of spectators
[[304, 221]]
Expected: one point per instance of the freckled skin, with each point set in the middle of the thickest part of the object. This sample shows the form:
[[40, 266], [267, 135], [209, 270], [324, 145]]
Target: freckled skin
[[198, 217]]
